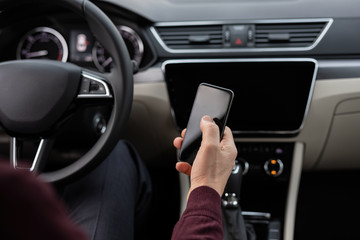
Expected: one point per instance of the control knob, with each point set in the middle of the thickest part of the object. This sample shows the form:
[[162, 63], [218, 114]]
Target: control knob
[[274, 167]]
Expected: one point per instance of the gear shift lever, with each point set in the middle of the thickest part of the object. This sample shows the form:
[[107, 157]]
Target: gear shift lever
[[233, 223], [233, 187]]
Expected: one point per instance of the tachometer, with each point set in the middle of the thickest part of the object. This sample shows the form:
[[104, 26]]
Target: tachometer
[[43, 43], [133, 43]]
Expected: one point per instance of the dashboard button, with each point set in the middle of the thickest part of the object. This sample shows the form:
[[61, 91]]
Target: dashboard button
[[274, 167]]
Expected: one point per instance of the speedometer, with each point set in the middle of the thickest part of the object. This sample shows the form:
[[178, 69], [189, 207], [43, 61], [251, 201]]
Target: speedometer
[[43, 43], [133, 43]]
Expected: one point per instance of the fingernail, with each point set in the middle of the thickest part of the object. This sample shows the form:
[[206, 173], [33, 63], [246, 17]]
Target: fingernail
[[207, 118]]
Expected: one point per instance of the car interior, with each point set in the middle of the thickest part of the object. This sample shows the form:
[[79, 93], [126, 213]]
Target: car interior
[[294, 68]]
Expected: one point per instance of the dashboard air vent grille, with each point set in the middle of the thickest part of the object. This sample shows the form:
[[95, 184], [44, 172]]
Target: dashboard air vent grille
[[192, 37], [287, 34]]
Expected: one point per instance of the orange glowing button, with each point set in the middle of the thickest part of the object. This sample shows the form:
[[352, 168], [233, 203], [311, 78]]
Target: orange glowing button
[[273, 161], [273, 172]]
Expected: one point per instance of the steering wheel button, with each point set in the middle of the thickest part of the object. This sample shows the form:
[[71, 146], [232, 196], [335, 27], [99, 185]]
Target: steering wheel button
[[97, 88], [85, 86], [94, 87]]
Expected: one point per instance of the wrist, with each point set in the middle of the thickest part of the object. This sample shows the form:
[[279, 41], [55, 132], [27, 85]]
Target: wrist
[[215, 187]]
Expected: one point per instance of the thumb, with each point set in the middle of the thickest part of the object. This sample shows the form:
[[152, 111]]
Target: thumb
[[210, 131]]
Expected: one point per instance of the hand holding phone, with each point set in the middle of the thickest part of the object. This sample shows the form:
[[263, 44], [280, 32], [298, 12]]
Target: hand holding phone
[[209, 100]]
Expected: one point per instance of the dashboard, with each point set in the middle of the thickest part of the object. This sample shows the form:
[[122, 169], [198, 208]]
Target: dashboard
[[83, 49], [65, 37]]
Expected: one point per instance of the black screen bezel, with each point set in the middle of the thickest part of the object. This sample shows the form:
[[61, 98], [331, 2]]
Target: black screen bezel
[[291, 79]]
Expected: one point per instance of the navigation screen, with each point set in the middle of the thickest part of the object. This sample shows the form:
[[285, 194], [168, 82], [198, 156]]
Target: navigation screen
[[270, 97]]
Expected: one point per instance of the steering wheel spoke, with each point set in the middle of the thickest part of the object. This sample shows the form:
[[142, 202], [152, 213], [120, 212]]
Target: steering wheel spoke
[[94, 86], [35, 165]]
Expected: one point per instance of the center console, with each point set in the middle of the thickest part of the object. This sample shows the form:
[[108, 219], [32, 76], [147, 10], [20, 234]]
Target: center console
[[271, 101], [266, 177]]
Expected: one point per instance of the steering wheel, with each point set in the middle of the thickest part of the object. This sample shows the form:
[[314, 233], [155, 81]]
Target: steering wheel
[[37, 95]]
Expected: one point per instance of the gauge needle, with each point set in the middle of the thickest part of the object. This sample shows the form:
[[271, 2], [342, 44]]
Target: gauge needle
[[107, 62], [37, 54]]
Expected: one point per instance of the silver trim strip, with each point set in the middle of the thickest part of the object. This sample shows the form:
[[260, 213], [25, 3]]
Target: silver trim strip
[[14, 156], [256, 214], [255, 60], [240, 50], [92, 77], [42, 141], [340, 63], [295, 176]]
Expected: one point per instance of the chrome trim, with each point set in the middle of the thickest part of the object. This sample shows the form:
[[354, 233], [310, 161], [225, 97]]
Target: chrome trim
[[121, 29], [137, 38], [255, 60], [92, 77], [339, 63], [14, 155], [257, 214], [236, 168], [36, 159], [47, 30], [246, 168], [293, 189], [230, 200], [240, 50]]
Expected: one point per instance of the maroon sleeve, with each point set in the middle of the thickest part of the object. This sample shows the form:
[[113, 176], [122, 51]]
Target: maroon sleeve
[[30, 209], [202, 216]]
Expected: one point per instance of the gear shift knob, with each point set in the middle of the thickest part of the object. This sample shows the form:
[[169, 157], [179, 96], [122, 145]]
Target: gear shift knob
[[233, 187], [233, 221]]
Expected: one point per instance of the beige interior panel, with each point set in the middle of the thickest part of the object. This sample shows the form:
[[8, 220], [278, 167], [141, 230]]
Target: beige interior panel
[[151, 120], [327, 96], [348, 106], [342, 150], [151, 128]]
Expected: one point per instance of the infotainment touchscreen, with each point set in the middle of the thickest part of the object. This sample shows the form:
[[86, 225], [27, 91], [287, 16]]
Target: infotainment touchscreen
[[271, 96]]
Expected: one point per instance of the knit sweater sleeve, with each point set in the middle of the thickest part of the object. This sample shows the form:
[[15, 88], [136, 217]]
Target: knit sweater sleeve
[[30, 209], [202, 217]]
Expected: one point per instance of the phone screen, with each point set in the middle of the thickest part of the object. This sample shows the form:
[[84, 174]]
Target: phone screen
[[209, 100]]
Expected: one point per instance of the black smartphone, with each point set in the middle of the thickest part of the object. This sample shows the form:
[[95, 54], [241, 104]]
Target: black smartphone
[[209, 100]]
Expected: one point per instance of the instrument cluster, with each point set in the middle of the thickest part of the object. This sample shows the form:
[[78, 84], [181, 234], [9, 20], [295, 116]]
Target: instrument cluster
[[79, 46]]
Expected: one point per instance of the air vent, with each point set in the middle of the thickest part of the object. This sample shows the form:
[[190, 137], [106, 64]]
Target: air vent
[[192, 37], [251, 36], [287, 34]]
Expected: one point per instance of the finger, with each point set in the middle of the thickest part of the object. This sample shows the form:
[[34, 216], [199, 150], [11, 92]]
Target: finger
[[210, 131], [183, 167], [227, 136], [183, 133], [178, 142], [228, 139], [228, 143]]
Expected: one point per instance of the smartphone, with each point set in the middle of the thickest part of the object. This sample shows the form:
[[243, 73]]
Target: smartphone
[[209, 100]]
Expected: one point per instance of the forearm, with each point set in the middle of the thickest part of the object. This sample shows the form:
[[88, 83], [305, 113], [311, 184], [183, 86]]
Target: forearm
[[202, 217]]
